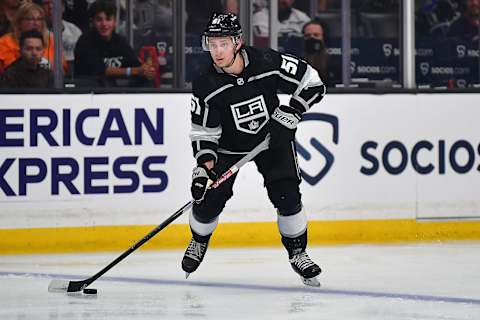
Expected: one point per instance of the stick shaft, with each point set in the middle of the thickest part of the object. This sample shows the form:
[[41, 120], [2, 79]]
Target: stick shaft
[[80, 285]]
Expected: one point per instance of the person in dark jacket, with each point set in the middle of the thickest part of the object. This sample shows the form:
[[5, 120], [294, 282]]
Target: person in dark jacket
[[106, 57], [27, 71], [467, 27]]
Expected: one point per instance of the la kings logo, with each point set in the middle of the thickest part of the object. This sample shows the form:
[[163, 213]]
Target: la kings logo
[[250, 116]]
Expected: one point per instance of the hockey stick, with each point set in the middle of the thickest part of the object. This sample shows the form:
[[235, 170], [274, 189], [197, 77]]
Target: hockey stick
[[74, 286]]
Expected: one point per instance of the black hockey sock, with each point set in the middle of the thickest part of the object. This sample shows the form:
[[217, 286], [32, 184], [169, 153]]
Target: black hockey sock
[[295, 245], [199, 238]]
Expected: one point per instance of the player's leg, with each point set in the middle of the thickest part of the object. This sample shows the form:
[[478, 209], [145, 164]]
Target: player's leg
[[280, 171], [292, 224], [203, 218]]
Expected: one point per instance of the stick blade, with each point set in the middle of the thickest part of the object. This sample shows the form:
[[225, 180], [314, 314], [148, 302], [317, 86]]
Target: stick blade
[[58, 285]]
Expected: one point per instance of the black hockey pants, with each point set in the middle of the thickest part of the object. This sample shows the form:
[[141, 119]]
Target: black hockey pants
[[281, 176]]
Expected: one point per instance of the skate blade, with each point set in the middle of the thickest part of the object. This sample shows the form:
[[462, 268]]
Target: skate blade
[[312, 282]]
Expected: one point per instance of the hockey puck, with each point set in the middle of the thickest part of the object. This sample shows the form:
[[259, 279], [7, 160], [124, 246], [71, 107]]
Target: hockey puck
[[90, 291]]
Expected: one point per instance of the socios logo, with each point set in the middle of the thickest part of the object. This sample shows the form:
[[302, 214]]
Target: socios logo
[[310, 148], [461, 83], [387, 49], [424, 68], [424, 156], [461, 51]]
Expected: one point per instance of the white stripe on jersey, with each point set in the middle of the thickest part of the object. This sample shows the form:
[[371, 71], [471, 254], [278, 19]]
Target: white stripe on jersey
[[214, 93], [262, 75], [313, 98], [205, 134], [269, 73]]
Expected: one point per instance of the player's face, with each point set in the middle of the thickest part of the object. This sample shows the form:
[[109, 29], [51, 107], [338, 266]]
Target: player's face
[[222, 50], [32, 51], [105, 25]]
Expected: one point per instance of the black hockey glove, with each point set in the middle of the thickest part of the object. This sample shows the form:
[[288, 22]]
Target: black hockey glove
[[283, 125], [200, 176]]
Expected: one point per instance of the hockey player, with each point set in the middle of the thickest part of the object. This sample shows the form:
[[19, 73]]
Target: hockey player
[[234, 106]]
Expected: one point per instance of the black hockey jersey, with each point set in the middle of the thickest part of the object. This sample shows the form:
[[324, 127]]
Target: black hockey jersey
[[230, 113]]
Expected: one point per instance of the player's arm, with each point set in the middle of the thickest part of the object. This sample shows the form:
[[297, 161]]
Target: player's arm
[[301, 81], [205, 131], [205, 134]]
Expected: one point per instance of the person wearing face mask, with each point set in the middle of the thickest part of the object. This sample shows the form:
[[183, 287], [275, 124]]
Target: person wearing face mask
[[315, 52]]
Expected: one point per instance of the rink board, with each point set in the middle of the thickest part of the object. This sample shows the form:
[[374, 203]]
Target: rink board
[[92, 167], [253, 234]]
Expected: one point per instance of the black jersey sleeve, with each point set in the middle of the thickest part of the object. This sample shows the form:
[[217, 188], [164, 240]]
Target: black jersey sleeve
[[206, 128], [299, 79]]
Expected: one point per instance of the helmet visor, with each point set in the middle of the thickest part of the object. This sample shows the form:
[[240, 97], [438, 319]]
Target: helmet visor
[[218, 43]]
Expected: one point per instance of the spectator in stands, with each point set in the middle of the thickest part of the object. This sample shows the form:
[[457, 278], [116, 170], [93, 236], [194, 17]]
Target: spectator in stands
[[258, 5], [291, 20], [70, 32], [76, 12], [104, 56], [467, 27], [152, 16], [27, 71], [322, 5], [315, 35], [231, 6], [8, 8], [315, 51], [434, 17], [29, 16]]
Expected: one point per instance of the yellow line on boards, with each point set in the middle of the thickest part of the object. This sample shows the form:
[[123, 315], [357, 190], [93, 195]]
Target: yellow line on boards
[[249, 234]]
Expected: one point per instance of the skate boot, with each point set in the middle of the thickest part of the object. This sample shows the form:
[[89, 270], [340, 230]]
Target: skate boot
[[306, 268], [300, 261], [194, 254]]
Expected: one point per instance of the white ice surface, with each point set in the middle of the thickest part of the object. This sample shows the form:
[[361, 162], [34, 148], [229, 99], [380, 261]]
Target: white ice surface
[[419, 281]]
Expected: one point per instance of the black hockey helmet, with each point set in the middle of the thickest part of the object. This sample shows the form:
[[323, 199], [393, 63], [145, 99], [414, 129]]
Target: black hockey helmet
[[222, 25]]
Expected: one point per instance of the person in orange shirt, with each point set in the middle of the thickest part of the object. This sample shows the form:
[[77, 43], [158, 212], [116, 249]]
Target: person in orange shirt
[[30, 16]]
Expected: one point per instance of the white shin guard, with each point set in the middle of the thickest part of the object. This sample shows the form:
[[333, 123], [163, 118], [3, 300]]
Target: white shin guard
[[294, 225], [202, 229]]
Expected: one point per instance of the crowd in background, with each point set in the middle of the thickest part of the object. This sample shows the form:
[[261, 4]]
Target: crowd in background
[[95, 51]]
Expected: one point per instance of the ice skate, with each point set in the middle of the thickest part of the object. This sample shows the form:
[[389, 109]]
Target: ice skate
[[193, 256], [306, 268]]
